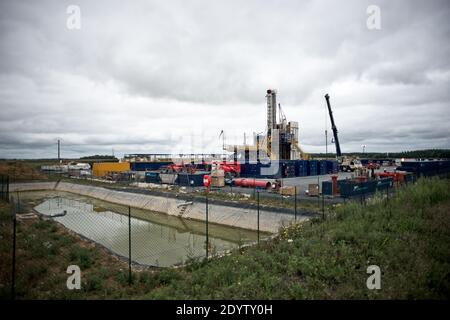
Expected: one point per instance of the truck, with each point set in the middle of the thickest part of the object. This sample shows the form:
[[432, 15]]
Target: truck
[[349, 164]]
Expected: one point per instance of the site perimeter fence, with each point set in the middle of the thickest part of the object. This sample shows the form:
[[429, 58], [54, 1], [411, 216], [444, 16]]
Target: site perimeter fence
[[55, 239], [46, 240], [4, 187]]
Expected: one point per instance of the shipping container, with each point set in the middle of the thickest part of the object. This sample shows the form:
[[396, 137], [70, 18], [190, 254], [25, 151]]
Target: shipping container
[[384, 184], [322, 167], [101, 169], [148, 166], [168, 178], [301, 168], [272, 170], [152, 177], [191, 179], [327, 188], [425, 168], [313, 168], [288, 168], [332, 166]]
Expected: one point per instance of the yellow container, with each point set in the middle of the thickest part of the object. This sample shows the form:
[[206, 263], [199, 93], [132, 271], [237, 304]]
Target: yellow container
[[101, 169]]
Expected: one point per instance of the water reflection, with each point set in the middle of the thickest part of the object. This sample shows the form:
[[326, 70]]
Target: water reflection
[[151, 243]]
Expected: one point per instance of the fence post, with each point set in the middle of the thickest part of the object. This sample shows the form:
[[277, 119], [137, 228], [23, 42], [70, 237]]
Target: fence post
[[318, 193], [323, 207], [295, 203], [129, 245], [207, 236], [18, 205], [13, 273], [2, 184], [258, 216], [387, 192]]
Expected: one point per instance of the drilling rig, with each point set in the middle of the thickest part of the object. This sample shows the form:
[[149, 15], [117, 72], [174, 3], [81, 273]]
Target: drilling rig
[[280, 141]]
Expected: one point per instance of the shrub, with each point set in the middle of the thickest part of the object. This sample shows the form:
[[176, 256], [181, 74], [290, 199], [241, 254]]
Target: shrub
[[93, 282], [81, 257], [123, 278]]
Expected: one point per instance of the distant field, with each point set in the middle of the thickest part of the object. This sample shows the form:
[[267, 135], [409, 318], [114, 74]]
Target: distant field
[[20, 170]]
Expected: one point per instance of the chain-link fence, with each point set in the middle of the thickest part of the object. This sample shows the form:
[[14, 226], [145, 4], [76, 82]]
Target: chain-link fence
[[4, 187], [57, 236], [7, 243], [84, 241]]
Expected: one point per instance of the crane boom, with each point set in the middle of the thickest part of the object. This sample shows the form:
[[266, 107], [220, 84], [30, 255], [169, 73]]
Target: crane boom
[[333, 126]]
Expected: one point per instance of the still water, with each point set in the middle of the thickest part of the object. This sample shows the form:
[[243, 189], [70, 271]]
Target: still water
[[156, 239]]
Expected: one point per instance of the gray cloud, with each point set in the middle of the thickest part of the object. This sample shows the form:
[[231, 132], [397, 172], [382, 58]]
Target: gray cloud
[[138, 77]]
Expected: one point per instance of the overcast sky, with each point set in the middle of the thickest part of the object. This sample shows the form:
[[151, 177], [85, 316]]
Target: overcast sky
[[168, 76]]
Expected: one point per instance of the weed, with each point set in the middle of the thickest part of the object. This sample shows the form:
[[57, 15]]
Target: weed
[[81, 257]]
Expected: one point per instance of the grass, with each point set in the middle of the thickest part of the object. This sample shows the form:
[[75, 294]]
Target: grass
[[407, 236], [22, 170]]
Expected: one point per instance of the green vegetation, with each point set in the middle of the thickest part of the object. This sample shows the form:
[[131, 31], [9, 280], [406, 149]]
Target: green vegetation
[[407, 236], [98, 157], [414, 154], [22, 170]]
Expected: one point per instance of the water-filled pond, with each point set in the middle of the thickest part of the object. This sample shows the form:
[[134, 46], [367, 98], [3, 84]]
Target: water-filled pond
[[156, 239]]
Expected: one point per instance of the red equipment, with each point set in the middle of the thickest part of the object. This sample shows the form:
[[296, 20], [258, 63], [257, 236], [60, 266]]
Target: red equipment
[[252, 183], [396, 176], [372, 165], [206, 180], [334, 185], [179, 168], [233, 168]]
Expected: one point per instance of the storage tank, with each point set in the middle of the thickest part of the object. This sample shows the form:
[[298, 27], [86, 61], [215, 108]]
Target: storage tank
[[252, 183]]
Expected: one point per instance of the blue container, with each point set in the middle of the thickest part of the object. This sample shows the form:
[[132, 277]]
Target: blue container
[[426, 168], [383, 184], [148, 166], [364, 162], [313, 167], [301, 168], [152, 177], [249, 170], [193, 180], [272, 170], [332, 166], [346, 188], [288, 168], [327, 188], [322, 169], [351, 188]]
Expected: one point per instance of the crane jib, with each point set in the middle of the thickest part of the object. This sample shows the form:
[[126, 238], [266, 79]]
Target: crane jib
[[333, 127]]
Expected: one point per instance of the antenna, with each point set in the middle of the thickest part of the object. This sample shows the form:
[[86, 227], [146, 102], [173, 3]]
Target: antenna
[[59, 150], [222, 134]]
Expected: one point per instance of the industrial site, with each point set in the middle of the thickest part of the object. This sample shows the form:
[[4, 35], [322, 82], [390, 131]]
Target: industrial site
[[340, 191], [273, 163]]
